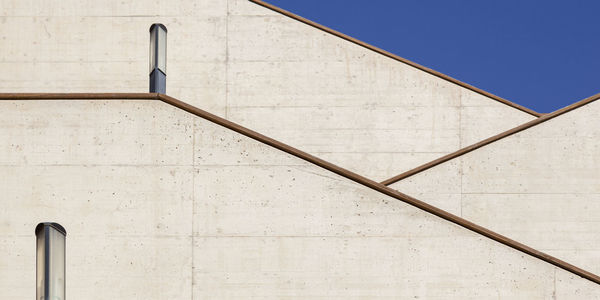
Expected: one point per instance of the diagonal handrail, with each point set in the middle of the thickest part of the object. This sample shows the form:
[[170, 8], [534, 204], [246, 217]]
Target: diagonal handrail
[[321, 163], [490, 140]]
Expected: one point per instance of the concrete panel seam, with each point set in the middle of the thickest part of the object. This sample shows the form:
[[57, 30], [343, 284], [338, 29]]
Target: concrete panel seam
[[381, 188], [79, 96], [331, 167], [490, 140]]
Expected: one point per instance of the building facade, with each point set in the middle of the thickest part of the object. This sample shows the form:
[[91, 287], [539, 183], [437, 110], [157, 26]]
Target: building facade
[[259, 178]]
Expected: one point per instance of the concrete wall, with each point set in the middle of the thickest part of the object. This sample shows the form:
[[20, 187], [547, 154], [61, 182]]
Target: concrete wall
[[159, 204], [540, 186], [339, 101]]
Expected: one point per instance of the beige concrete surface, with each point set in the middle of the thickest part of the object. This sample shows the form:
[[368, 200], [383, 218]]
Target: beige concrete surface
[[118, 176], [118, 141], [334, 99], [540, 186], [341, 101], [234, 219]]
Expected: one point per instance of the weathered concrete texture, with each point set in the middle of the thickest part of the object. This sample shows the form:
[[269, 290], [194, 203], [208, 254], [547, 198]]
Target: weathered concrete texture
[[359, 109], [569, 286], [233, 219], [292, 230], [35, 132], [72, 47], [371, 114], [481, 118], [540, 186], [440, 186], [118, 176]]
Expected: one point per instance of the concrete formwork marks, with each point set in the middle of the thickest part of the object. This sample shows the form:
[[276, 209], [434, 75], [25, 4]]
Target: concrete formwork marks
[[224, 222], [338, 100], [539, 186]]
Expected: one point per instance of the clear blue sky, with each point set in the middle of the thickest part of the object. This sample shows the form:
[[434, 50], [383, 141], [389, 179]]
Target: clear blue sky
[[543, 55]]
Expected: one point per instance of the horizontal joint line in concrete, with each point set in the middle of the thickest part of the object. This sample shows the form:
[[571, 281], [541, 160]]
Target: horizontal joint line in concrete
[[490, 140], [328, 166], [141, 236], [379, 152], [72, 61], [526, 193], [381, 188], [89, 16], [78, 96], [312, 236], [197, 165]]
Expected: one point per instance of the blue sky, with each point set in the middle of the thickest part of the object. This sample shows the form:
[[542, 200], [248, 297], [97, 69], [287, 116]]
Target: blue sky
[[543, 55]]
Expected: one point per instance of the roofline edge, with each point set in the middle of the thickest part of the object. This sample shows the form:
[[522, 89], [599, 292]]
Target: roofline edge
[[395, 57], [465, 150]]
